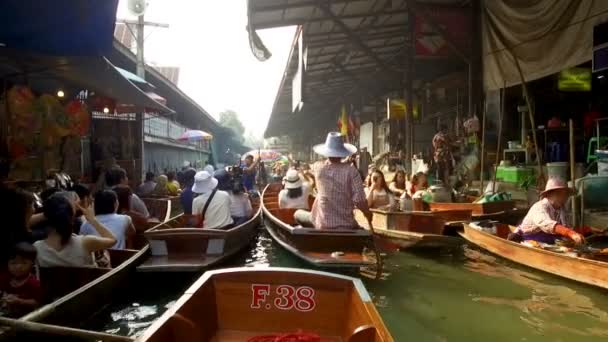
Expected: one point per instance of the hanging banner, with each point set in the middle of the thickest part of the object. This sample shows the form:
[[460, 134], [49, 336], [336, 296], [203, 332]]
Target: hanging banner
[[395, 109], [454, 22]]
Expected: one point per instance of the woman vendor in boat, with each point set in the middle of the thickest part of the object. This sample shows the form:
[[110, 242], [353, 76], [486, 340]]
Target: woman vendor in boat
[[64, 249], [546, 219], [399, 184], [295, 194], [377, 192], [339, 188]]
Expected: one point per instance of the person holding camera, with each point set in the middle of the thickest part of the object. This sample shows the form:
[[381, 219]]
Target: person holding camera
[[249, 172]]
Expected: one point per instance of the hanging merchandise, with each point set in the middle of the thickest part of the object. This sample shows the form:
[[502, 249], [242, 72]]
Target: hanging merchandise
[[79, 118], [55, 121]]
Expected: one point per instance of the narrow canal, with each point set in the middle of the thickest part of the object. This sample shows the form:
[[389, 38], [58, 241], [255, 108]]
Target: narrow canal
[[466, 295]]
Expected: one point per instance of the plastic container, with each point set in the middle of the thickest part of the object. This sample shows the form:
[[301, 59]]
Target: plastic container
[[602, 162], [513, 174], [558, 170]]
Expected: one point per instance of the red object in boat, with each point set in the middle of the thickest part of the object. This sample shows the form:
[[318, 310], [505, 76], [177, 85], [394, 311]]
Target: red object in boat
[[290, 337]]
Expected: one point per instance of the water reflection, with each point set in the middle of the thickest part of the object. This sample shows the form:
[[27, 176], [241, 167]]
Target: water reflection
[[546, 303]]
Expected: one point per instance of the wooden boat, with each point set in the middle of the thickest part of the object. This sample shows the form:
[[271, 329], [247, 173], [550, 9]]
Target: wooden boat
[[322, 248], [74, 288], [160, 210], [583, 270], [178, 247], [240, 304], [418, 229], [476, 209]]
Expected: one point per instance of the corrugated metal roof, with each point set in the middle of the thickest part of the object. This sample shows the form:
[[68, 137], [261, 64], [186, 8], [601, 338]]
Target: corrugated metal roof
[[356, 52]]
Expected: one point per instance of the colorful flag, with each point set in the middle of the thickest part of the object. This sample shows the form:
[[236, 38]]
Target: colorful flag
[[343, 122]]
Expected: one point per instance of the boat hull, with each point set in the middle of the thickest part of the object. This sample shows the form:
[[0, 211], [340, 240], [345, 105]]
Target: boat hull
[[176, 249], [578, 269], [321, 248]]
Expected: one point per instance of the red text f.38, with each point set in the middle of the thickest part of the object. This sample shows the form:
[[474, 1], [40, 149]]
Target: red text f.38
[[285, 297]]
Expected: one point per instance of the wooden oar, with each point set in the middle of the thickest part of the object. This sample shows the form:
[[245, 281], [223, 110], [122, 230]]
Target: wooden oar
[[61, 331]]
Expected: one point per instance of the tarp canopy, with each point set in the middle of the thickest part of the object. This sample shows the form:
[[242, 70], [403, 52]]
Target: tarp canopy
[[547, 36], [58, 27], [93, 73]]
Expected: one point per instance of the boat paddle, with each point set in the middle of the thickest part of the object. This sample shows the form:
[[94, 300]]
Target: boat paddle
[[61, 331]]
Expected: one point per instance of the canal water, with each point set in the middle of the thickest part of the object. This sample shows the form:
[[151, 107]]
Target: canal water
[[462, 295]]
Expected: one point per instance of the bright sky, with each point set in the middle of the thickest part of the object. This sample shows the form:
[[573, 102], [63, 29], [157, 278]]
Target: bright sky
[[208, 40]]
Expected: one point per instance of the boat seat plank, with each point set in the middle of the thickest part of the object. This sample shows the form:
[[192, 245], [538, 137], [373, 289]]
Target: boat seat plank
[[178, 263]]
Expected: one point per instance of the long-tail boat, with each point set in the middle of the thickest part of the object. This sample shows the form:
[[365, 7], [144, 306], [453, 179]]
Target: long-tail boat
[[344, 248], [259, 304], [418, 229], [559, 261], [176, 246]]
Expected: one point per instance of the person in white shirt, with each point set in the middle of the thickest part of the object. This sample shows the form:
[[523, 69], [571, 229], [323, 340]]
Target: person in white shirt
[[240, 205], [121, 226], [295, 194], [217, 215]]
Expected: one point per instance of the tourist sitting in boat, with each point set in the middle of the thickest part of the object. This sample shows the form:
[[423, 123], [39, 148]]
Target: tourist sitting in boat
[[19, 287], [295, 193], [18, 206], [418, 183], [161, 189], [147, 187], [85, 201], [61, 248], [124, 207], [339, 188], [546, 219], [118, 177], [187, 196], [240, 204], [378, 195], [399, 184], [106, 207], [212, 206], [173, 186]]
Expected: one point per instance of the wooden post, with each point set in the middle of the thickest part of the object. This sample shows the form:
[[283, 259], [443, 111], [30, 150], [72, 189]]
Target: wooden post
[[409, 98], [572, 165], [531, 115], [483, 143], [503, 92]]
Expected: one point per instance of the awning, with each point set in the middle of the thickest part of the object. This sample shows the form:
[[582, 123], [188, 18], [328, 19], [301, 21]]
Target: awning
[[93, 73], [58, 27]]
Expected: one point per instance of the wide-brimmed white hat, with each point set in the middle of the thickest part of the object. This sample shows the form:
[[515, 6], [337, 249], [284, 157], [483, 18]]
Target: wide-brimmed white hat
[[292, 180], [555, 184], [204, 182], [335, 147]]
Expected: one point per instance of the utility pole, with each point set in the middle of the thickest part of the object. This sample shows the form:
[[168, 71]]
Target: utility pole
[[139, 38]]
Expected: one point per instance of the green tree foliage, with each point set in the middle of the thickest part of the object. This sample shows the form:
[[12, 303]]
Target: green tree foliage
[[230, 119]]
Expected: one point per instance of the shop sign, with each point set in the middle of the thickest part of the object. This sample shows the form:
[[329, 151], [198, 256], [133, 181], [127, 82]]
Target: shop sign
[[574, 79]]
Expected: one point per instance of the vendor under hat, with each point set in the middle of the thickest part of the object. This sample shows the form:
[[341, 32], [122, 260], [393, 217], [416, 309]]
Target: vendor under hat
[[546, 219]]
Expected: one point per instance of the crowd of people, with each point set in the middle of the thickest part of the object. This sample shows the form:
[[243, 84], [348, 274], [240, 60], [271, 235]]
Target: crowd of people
[[76, 225]]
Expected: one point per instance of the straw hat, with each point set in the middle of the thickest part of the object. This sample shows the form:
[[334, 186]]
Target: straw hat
[[555, 184], [292, 180], [204, 182], [335, 147]]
